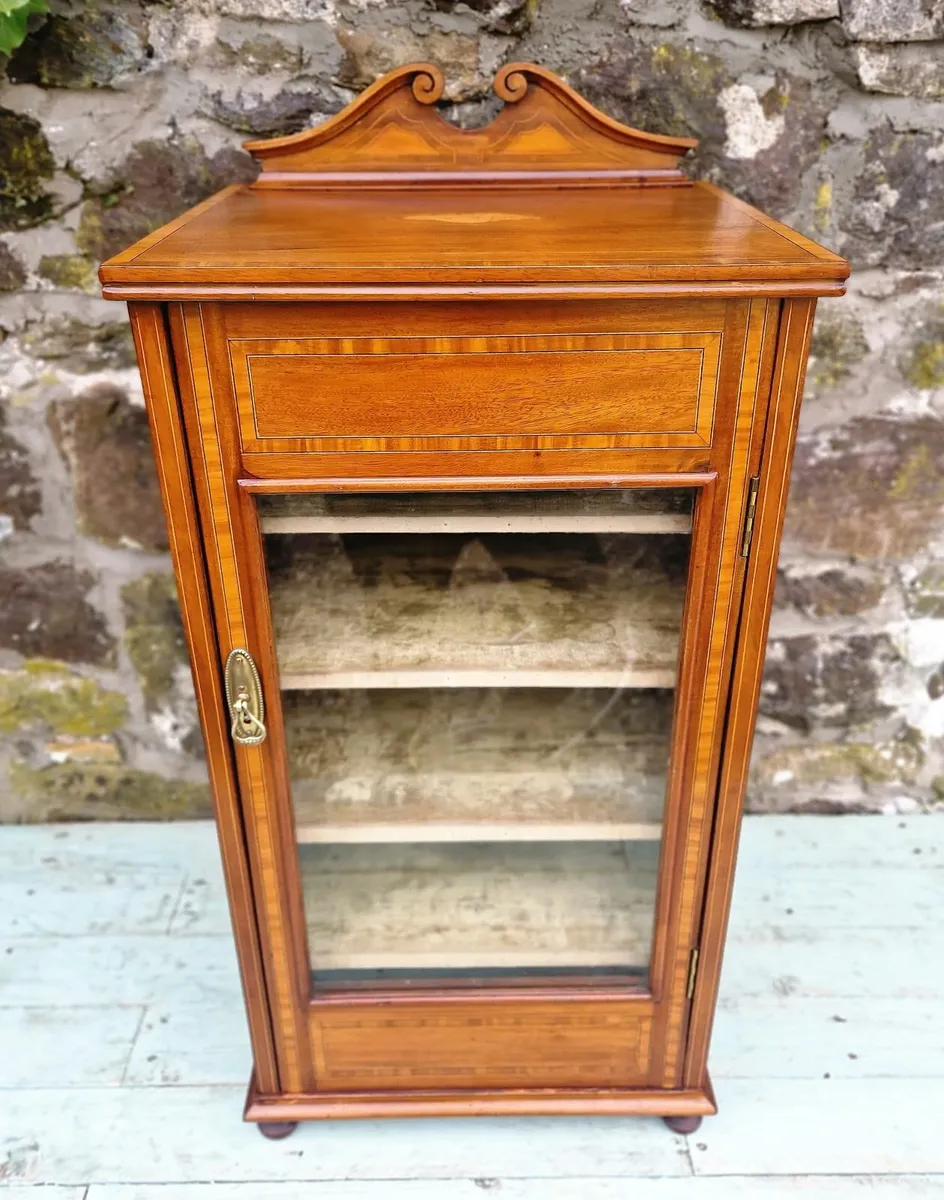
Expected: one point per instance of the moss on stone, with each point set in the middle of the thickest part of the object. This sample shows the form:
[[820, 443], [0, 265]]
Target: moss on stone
[[92, 45], [84, 792], [154, 636], [46, 693], [25, 163], [924, 365], [69, 271]]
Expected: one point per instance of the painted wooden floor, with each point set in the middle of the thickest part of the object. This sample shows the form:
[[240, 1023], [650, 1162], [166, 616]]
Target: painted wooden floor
[[123, 1056]]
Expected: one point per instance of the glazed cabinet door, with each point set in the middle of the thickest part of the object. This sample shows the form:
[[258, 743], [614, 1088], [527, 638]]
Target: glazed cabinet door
[[477, 717]]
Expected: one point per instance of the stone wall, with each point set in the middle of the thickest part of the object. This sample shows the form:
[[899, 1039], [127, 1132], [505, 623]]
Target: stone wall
[[118, 114]]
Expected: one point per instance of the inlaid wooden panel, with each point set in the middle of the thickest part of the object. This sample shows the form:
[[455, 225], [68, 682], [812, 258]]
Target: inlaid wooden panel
[[473, 1044], [630, 390]]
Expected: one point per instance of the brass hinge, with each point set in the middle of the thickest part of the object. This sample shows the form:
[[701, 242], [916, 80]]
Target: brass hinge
[[692, 973], [752, 489]]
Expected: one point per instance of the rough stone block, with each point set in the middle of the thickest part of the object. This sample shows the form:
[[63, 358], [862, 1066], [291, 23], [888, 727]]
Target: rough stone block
[[819, 682], [156, 182], [20, 490], [895, 213], [100, 792], [836, 777], [838, 345], [922, 359], [759, 143], [902, 70], [106, 442], [371, 51], [754, 13], [499, 16], [893, 20], [78, 347], [44, 612], [97, 46], [12, 271], [830, 591], [873, 488]]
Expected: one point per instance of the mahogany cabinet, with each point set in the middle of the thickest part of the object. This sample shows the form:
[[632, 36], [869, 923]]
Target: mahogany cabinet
[[474, 446]]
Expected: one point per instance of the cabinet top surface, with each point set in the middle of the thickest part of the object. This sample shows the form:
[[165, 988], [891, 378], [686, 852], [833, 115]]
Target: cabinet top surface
[[551, 193]]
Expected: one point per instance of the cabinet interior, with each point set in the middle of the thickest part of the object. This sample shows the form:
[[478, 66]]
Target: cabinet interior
[[478, 699]]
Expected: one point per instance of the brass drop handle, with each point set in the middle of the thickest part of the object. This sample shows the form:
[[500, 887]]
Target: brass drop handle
[[244, 696]]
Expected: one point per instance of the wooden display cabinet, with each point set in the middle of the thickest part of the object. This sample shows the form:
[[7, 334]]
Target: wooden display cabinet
[[474, 446]]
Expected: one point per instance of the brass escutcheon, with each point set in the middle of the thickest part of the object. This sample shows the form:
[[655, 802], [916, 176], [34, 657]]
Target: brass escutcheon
[[244, 696]]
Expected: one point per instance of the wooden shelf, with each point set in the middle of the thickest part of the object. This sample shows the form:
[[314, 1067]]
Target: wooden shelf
[[479, 906], [597, 511], [445, 766], [546, 610]]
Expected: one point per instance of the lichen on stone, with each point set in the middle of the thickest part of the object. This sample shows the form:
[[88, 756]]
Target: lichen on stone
[[154, 637], [79, 347], [48, 695], [924, 595], [838, 345]]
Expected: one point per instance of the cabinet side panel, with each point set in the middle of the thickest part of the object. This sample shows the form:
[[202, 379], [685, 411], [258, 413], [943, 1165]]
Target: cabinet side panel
[[786, 392], [158, 378]]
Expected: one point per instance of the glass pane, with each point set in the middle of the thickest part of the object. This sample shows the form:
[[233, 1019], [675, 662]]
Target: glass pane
[[477, 691]]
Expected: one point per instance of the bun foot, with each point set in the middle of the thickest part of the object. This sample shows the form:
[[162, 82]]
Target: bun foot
[[682, 1124], [277, 1129]]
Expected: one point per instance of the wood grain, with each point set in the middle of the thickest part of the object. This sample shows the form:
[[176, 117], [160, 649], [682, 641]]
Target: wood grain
[[398, 309], [545, 132], [158, 378], [652, 238]]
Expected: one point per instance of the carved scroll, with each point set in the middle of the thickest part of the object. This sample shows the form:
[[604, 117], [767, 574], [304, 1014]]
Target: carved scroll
[[546, 134]]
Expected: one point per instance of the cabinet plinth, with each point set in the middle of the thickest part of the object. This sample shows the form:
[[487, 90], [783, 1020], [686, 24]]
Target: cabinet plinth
[[460, 435]]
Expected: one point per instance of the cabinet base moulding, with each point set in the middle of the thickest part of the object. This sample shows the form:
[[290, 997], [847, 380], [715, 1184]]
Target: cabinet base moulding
[[640, 1102]]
